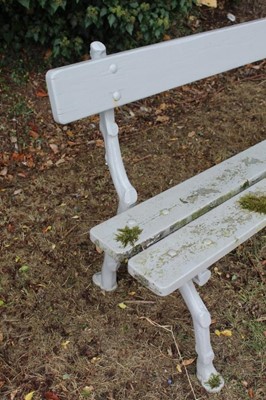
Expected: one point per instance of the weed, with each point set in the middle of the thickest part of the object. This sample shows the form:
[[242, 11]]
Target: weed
[[214, 381], [128, 235], [20, 108], [254, 203]]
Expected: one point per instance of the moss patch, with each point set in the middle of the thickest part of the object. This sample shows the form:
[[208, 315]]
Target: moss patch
[[254, 203], [128, 235]]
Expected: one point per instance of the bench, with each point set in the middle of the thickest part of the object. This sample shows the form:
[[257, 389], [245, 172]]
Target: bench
[[170, 240]]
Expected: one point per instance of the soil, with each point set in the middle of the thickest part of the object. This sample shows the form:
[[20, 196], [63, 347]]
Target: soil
[[64, 338]]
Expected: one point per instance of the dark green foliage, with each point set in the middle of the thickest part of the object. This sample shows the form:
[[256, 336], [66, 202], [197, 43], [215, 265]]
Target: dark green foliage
[[128, 235], [68, 26]]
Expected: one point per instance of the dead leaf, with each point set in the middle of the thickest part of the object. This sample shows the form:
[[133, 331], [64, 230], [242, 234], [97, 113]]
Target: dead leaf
[[33, 134], [178, 368], [191, 134], [48, 54], [166, 37], [1, 340], [162, 118], [60, 161], [190, 361], [13, 394], [29, 396], [41, 93], [251, 393], [18, 191], [3, 172], [65, 344], [208, 3], [99, 250], [2, 384], [51, 396], [226, 332], [54, 148], [47, 229], [99, 143], [122, 306]]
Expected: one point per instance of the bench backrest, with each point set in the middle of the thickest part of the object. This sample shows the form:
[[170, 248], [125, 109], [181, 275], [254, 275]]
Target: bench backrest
[[90, 87]]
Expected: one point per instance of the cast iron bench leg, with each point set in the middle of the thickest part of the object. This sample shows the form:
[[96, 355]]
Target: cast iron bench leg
[[106, 279], [201, 322]]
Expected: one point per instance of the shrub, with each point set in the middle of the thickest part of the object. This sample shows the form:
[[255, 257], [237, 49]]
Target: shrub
[[68, 26]]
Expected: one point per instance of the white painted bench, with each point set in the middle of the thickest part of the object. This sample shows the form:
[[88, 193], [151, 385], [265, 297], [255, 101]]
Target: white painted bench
[[181, 232]]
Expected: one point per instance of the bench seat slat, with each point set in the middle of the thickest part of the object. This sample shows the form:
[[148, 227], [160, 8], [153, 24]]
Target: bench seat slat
[[170, 263], [172, 209]]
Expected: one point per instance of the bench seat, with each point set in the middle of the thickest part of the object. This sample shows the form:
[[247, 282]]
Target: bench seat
[[175, 207], [173, 261]]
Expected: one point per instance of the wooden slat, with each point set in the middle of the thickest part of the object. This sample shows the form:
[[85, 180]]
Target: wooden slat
[[87, 88], [172, 209], [175, 260]]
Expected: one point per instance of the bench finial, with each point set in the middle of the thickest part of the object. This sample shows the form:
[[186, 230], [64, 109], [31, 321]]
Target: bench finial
[[97, 50]]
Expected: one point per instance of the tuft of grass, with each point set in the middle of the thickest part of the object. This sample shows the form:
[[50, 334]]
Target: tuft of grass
[[254, 203], [128, 235], [214, 381]]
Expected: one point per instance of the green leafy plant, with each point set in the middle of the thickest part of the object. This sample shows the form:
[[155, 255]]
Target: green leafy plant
[[128, 235], [214, 381], [67, 27]]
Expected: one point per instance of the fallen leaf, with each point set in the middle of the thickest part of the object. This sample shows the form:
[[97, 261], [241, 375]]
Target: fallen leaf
[[51, 396], [48, 54], [65, 344], [33, 134], [1, 340], [29, 396], [251, 393], [167, 37], [24, 268], [99, 143], [191, 134], [226, 332], [22, 174], [3, 172], [208, 3], [95, 359], [41, 93], [178, 368], [87, 390], [13, 394], [162, 118], [190, 361], [2, 384], [122, 306], [60, 161], [47, 229], [18, 191], [54, 148], [99, 250]]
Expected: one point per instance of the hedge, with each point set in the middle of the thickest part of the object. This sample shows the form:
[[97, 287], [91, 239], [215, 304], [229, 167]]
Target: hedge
[[68, 26]]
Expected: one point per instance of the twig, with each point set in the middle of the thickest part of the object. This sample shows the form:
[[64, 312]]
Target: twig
[[69, 231], [169, 328], [139, 302]]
